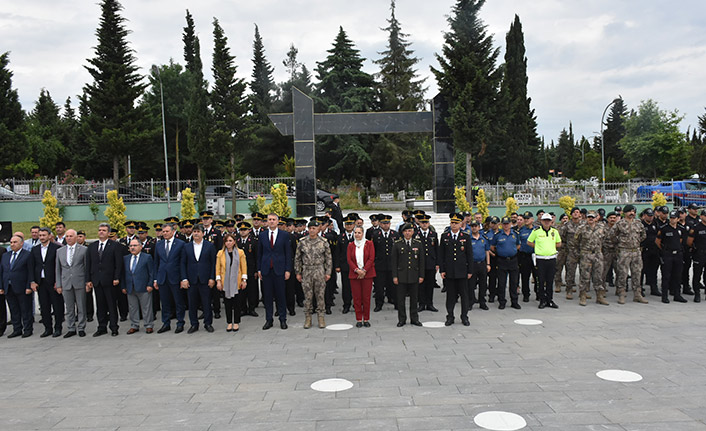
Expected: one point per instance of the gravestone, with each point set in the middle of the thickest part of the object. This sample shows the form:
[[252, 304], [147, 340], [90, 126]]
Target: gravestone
[[304, 125]]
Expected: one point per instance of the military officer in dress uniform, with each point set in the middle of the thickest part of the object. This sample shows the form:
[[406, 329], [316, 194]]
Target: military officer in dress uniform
[[342, 260], [669, 241], [257, 224], [331, 235], [130, 229], [299, 232], [375, 222], [230, 227], [697, 240], [383, 240], [212, 235], [251, 295], [407, 264], [430, 242], [186, 228], [455, 260]]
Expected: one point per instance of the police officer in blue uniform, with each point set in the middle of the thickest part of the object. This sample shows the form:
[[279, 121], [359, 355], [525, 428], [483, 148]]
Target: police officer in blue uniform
[[505, 244], [524, 256], [480, 265]]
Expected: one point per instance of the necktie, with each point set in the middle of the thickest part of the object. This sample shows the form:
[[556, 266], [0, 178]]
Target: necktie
[[100, 250], [409, 243], [134, 263], [12, 261], [272, 245], [455, 236], [70, 258], [167, 249]]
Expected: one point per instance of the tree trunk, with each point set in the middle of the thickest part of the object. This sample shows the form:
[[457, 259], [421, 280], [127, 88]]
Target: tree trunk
[[469, 178], [116, 172], [177, 157], [202, 189], [232, 186]]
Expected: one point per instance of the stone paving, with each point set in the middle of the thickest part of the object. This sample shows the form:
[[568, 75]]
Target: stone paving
[[406, 378]]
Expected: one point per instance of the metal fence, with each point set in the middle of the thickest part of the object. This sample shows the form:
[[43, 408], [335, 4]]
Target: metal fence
[[137, 191]]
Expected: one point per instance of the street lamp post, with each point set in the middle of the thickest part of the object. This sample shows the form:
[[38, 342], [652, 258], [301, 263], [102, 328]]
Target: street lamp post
[[616, 100], [155, 70]]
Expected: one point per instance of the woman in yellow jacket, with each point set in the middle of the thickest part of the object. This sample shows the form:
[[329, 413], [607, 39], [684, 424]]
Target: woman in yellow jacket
[[231, 277]]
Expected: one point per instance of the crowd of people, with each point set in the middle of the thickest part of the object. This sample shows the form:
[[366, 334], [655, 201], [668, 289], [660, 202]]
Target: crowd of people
[[204, 266]]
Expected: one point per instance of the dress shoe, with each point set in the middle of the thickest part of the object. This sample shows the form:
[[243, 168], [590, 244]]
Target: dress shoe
[[483, 306], [491, 299], [328, 310], [432, 308], [449, 322], [665, 300], [687, 290], [208, 328], [697, 297], [253, 313], [217, 315], [300, 304], [164, 328], [70, 334], [680, 299], [132, 331], [283, 325], [525, 298], [100, 332], [46, 333], [267, 325], [114, 333], [89, 319], [443, 289], [400, 324], [465, 322], [14, 334], [417, 323], [28, 334], [123, 318], [57, 333], [542, 305], [377, 308], [655, 292], [516, 306], [551, 304], [359, 325], [366, 324], [149, 331], [81, 333], [346, 309], [501, 306], [179, 329], [192, 329]]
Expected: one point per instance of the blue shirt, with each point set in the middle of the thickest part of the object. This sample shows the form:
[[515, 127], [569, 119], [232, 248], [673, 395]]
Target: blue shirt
[[524, 234], [506, 244], [480, 246]]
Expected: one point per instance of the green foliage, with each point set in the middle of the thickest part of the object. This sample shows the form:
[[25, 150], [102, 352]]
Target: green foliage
[[116, 212], [654, 144], [658, 200], [257, 204], [288, 166], [461, 202], [566, 153], [12, 139], [483, 206], [44, 136], [280, 203], [94, 208], [511, 206], [566, 203], [51, 211], [187, 204], [262, 84], [615, 131], [590, 167]]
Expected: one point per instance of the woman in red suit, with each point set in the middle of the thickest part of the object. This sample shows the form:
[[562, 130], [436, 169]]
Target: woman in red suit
[[361, 261]]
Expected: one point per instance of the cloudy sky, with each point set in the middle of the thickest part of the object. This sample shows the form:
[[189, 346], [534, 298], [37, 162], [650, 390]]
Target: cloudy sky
[[581, 55]]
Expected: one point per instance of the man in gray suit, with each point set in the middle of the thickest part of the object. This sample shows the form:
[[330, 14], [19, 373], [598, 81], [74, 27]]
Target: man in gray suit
[[71, 277]]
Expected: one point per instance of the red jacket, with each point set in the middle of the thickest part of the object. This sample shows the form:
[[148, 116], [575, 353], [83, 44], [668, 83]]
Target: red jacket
[[368, 257]]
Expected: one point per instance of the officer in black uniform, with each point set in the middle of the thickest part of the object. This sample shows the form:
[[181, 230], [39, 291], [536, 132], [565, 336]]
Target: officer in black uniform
[[130, 232], [331, 285], [342, 261], [669, 241], [455, 260], [691, 219], [430, 242], [251, 295], [650, 252], [375, 221], [212, 235], [383, 240], [299, 233], [697, 240], [407, 263]]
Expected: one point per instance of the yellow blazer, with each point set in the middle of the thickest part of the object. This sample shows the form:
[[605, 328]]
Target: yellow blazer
[[221, 266]]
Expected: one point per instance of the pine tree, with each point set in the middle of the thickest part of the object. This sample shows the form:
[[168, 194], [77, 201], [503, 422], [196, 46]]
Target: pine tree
[[113, 125], [400, 89], [262, 85], [344, 87], [12, 139], [299, 77], [565, 159], [198, 115], [615, 131], [44, 136], [468, 79], [232, 127]]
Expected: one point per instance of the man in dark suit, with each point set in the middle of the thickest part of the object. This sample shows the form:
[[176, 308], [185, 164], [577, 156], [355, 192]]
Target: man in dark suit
[[60, 229], [200, 262], [105, 264], [138, 277], [43, 279], [15, 273], [407, 264], [275, 266], [169, 276]]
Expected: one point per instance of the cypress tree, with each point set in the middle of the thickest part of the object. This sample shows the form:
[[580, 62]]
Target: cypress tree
[[615, 131], [44, 135], [262, 84], [12, 139], [113, 123]]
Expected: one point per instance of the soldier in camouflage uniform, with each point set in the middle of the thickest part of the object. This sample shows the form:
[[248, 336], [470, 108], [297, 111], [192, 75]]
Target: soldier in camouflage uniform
[[610, 248], [630, 234], [313, 264], [568, 232], [589, 238]]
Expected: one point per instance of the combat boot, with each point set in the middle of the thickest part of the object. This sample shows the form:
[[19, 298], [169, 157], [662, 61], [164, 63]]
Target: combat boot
[[588, 295], [568, 294], [601, 298], [322, 322], [697, 295], [582, 299], [639, 298], [557, 288], [621, 295], [307, 321]]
